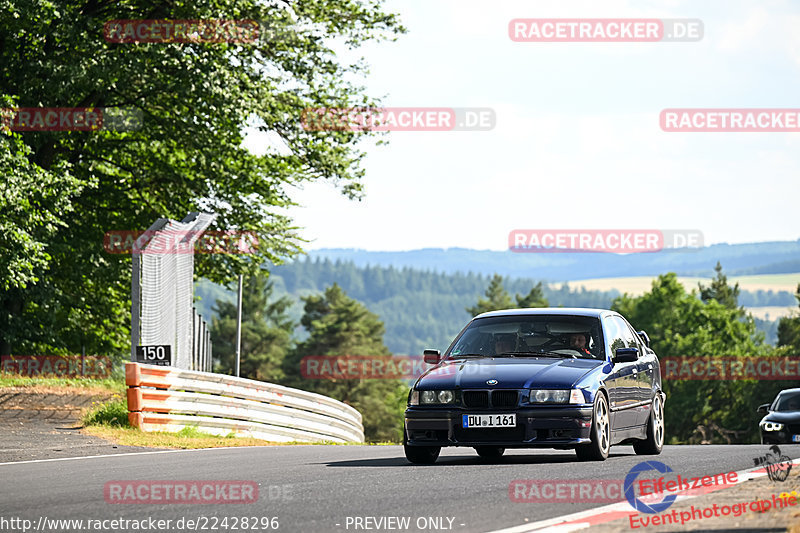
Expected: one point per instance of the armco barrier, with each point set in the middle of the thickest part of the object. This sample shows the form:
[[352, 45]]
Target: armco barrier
[[169, 399]]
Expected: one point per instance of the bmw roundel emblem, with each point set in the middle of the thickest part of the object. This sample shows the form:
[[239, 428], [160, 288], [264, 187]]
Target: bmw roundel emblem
[[492, 382]]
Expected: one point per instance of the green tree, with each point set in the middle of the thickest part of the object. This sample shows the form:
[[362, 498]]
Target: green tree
[[535, 298], [337, 325], [496, 298], [188, 155], [789, 328], [720, 291], [682, 325], [266, 332]]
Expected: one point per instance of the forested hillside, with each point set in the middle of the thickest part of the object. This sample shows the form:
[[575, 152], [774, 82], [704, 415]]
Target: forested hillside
[[738, 259], [421, 309]]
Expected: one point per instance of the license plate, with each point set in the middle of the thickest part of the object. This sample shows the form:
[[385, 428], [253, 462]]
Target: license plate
[[489, 421], [795, 438]]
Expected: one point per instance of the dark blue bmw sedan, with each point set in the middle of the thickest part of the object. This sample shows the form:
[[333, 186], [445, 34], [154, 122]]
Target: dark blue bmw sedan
[[545, 378]]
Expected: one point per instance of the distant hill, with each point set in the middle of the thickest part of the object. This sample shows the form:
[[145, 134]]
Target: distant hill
[[737, 259], [426, 309]]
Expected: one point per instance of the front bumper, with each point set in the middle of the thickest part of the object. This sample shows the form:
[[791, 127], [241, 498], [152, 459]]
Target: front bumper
[[776, 437], [544, 427]]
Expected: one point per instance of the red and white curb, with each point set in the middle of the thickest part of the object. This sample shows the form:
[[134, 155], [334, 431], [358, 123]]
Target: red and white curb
[[615, 511]]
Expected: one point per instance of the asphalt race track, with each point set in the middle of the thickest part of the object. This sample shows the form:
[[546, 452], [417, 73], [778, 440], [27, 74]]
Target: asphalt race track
[[327, 488]]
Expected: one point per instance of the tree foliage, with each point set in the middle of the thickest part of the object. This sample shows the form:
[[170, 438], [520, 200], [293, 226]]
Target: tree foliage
[[496, 298], [61, 290], [266, 332], [719, 290], [789, 329], [535, 298], [682, 325], [338, 325]]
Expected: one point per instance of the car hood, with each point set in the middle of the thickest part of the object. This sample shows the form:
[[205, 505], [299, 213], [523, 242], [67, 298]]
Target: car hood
[[783, 416], [510, 373]]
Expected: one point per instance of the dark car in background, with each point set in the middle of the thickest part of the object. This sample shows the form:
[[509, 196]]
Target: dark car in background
[[781, 425], [539, 378]]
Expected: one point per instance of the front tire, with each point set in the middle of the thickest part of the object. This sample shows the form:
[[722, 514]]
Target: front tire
[[598, 448], [655, 430], [422, 455], [490, 453]]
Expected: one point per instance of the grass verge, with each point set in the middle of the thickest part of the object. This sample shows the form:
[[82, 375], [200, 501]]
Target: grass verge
[[84, 384], [186, 439], [109, 419], [111, 413]]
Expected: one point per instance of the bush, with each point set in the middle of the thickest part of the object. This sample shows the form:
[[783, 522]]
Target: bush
[[111, 413]]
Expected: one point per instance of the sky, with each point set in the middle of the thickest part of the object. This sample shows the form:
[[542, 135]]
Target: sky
[[577, 142]]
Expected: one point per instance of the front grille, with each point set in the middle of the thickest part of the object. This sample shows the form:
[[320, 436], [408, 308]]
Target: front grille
[[794, 429], [476, 398], [505, 398]]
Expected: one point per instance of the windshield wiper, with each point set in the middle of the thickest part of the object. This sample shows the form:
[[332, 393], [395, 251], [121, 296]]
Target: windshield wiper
[[545, 354], [455, 356]]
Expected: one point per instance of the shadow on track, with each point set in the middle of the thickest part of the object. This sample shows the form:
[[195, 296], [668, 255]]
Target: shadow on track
[[468, 460]]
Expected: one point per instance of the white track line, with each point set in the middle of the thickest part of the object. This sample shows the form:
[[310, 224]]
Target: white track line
[[570, 522], [129, 454]]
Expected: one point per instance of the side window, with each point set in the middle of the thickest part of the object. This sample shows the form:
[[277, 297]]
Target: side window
[[613, 334], [637, 340], [627, 333], [620, 334]]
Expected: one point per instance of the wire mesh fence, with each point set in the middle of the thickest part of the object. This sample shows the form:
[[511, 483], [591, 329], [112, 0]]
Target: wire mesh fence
[[162, 294]]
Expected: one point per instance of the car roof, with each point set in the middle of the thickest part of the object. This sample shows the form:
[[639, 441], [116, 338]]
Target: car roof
[[788, 390], [533, 311]]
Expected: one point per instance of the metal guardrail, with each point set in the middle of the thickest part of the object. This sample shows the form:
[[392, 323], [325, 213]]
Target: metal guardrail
[[169, 399]]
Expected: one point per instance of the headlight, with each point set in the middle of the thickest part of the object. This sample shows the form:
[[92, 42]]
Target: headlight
[[772, 426], [556, 396], [433, 396], [413, 398], [428, 396], [446, 396]]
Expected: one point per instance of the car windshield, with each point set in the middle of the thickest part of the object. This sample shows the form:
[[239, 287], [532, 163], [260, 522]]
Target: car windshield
[[787, 402], [531, 336]]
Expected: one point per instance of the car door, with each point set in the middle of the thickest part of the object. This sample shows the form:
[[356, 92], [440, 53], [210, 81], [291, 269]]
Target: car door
[[646, 375], [622, 382]]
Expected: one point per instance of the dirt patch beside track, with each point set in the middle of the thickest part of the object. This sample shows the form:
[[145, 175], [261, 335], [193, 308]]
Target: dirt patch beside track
[[44, 423]]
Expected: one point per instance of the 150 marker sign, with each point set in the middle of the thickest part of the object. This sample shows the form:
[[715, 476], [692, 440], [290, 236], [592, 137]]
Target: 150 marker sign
[[154, 355]]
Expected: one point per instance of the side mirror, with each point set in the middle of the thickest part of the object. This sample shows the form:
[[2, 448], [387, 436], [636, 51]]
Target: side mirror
[[432, 357], [645, 338], [626, 355], [763, 408]]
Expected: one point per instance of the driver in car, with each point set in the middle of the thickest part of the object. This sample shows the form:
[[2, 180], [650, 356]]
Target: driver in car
[[580, 343]]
